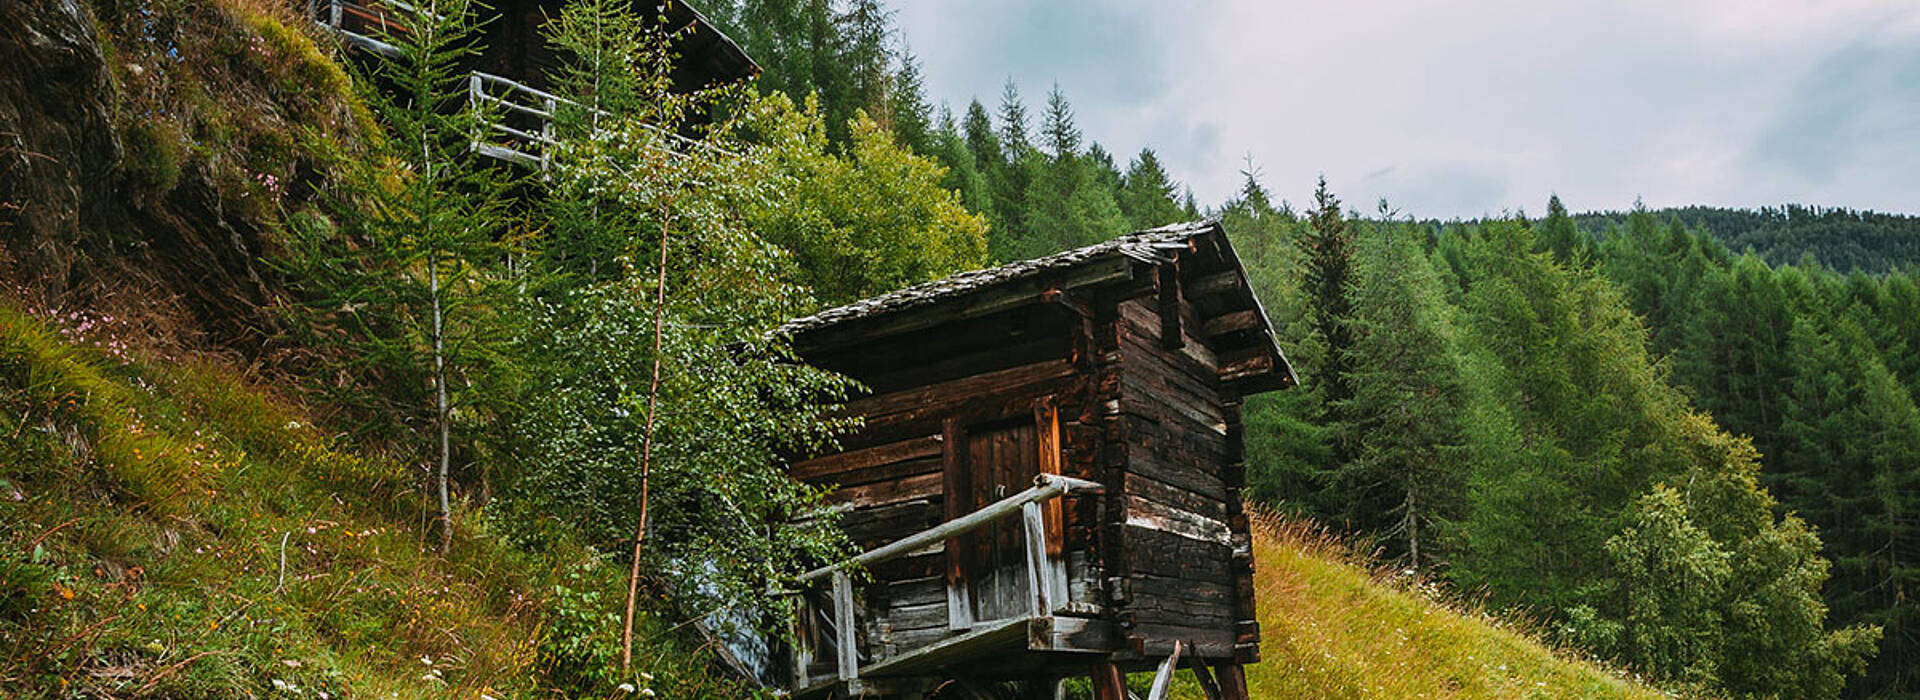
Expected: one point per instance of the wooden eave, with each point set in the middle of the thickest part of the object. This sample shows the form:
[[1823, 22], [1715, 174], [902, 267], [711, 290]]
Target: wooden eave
[[1193, 262]]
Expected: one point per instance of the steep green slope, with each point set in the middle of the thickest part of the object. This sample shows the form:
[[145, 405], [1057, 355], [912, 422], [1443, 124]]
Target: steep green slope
[[169, 531], [1330, 628]]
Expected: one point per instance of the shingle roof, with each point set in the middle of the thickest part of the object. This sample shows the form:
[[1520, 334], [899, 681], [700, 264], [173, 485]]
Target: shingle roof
[[1147, 246]]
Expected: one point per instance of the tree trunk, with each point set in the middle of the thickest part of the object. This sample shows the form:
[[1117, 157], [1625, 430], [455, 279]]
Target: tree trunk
[[440, 399], [646, 446]]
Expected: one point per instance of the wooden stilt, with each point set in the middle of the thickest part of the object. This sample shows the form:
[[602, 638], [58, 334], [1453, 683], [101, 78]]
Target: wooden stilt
[[1233, 681], [1108, 684], [1205, 675]]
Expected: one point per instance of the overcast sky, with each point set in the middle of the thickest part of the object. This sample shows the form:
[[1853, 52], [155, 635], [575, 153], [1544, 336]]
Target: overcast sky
[[1468, 108]]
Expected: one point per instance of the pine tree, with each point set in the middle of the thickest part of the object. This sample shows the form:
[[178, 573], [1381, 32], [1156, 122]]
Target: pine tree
[[866, 29], [1060, 136], [982, 141], [1559, 235], [1328, 244], [1013, 123], [908, 111], [1407, 469], [1147, 196]]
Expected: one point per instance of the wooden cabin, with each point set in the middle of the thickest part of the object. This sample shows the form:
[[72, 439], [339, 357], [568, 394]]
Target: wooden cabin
[[511, 77], [1048, 478]]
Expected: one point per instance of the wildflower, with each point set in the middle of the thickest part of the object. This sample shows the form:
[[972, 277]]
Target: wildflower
[[625, 688]]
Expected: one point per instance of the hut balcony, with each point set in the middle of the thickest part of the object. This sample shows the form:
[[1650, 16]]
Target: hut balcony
[[1034, 612]]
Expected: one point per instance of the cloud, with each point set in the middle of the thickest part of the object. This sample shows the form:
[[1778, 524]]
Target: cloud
[[1465, 108], [1857, 100]]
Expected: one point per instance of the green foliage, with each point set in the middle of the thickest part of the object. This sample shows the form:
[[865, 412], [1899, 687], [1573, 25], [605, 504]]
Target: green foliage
[[1147, 194], [1513, 383], [1834, 237], [870, 221]]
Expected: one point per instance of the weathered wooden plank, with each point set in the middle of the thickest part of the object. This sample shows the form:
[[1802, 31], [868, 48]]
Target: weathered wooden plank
[[954, 479], [878, 455], [1153, 515], [1177, 471], [1158, 553], [885, 492], [1232, 323], [914, 617], [1142, 486], [1046, 418], [1171, 337], [884, 472], [994, 299], [981, 641], [1159, 403], [847, 650], [948, 392], [1214, 284]]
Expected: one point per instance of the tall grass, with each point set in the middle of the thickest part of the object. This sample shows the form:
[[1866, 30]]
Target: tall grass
[[170, 531], [1335, 626]]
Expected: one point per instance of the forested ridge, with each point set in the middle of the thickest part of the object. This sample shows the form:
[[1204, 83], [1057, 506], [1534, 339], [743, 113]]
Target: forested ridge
[[1697, 462], [1684, 438]]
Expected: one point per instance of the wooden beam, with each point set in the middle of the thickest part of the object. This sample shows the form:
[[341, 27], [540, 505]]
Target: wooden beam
[[957, 499], [1046, 487], [926, 446], [1233, 681], [1108, 683], [1231, 322], [1169, 288], [1208, 685], [1046, 419], [847, 653], [1039, 589], [1214, 285]]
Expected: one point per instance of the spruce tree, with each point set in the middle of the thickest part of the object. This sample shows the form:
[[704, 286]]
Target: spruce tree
[[1147, 196], [415, 299], [1058, 133], [1327, 243], [907, 111]]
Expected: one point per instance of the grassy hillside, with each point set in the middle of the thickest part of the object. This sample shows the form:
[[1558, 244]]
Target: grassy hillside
[[1333, 628], [169, 531]]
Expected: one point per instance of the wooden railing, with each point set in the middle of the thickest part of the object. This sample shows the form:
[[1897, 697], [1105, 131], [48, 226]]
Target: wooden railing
[[533, 146], [1039, 594], [349, 19], [522, 130]]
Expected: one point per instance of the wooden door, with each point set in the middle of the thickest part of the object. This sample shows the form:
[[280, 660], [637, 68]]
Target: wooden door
[[1002, 461]]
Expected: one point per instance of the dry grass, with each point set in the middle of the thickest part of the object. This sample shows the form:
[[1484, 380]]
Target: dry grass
[[1335, 626]]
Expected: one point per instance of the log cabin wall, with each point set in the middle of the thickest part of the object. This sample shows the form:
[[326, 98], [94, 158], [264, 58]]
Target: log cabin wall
[[979, 391], [1131, 356], [1182, 538]]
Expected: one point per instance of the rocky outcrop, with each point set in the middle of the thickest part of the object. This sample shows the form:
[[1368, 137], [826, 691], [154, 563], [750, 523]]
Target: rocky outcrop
[[85, 216], [59, 154]]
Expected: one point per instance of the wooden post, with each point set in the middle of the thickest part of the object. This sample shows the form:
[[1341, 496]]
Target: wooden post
[[546, 137], [1108, 684], [1046, 419], [957, 499], [843, 622], [1205, 676], [333, 17], [1039, 588], [802, 641], [1168, 280], [1233, 681]]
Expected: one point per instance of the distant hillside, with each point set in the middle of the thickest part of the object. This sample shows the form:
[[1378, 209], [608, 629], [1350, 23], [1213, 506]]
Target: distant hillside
[[1330, 628], [1843, 239]]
